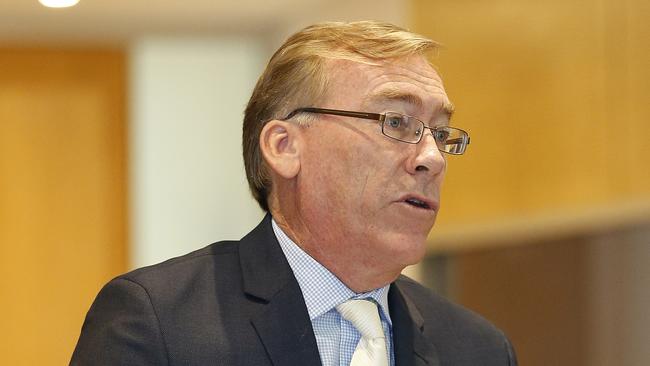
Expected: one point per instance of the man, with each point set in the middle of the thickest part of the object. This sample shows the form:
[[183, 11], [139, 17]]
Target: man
[[351, 184]]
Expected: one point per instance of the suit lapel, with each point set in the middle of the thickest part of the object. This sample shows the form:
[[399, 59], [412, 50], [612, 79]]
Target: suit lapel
[[411, 346], [281, 321]]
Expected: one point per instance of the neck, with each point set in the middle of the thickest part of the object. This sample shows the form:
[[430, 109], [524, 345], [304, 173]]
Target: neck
[[357, 271]]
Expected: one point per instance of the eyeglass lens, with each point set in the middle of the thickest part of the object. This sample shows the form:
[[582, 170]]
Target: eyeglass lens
[[409, 129]]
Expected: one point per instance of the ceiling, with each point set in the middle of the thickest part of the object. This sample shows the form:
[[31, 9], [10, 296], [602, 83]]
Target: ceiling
[[117, 21]]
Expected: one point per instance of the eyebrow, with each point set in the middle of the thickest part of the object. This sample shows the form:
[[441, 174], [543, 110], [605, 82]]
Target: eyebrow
[[395, 94]]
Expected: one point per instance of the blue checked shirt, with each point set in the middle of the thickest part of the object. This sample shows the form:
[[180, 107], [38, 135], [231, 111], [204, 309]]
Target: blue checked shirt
[[323, 291]]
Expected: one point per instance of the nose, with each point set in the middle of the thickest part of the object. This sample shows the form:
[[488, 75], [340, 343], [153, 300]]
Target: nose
[[427, 158]]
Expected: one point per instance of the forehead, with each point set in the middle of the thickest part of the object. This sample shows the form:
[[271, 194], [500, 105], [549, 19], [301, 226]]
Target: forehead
[[411, 82]]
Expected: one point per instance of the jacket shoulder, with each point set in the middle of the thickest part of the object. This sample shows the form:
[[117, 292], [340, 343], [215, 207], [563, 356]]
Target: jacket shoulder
[[461, 335], [430, 304], [188, 266], [156, 315]]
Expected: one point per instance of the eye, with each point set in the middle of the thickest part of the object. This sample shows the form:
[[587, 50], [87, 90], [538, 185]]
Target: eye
[[441, 135], [395, 122]]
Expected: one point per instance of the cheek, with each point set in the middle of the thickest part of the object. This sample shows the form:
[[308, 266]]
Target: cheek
[[336, 176], [349, 172]]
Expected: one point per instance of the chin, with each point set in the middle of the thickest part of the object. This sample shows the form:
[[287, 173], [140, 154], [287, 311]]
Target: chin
[[406, 249]]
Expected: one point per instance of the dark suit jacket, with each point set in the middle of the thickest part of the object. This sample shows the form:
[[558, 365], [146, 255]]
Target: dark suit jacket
[[238, 303]]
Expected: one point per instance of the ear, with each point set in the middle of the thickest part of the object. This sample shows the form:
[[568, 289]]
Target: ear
[[280, 143]]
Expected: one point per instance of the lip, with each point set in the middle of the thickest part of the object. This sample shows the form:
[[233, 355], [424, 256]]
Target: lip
[[432, 204]]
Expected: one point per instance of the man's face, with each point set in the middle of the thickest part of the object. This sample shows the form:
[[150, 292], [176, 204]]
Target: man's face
[[356, 189]]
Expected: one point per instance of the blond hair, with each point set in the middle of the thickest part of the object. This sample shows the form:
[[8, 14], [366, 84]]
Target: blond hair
[[296, 77]]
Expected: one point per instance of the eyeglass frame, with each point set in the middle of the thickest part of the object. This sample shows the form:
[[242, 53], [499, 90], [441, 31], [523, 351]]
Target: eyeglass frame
[[381, 117]]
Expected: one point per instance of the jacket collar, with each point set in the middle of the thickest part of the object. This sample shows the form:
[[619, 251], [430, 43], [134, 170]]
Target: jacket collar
[[412, 348], [281, 321]]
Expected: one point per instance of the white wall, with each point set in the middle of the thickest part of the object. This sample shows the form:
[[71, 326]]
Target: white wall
[[187, 95], [187, 181]]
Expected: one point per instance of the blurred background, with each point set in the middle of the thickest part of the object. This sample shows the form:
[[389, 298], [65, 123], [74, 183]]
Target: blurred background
[[120, 128]]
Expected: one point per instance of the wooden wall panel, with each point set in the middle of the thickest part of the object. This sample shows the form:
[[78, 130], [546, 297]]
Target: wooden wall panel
[[535, 293], [62, 195], [555, 96], [578, 300]]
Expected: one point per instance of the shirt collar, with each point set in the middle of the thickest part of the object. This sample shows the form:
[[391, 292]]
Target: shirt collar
[[321, 289]]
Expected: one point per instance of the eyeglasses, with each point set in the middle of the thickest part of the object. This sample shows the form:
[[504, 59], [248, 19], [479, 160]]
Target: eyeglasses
[[404, 128]]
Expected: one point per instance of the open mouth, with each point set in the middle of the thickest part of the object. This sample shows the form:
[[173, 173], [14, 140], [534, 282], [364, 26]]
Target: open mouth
[[417, 203]]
